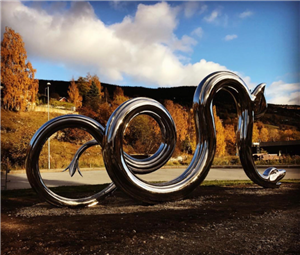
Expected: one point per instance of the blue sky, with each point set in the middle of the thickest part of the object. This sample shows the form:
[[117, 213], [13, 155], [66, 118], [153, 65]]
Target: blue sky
[[162, 44]]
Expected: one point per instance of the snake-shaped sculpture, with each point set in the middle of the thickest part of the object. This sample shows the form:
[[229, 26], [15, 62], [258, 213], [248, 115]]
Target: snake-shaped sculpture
[[123, 168]]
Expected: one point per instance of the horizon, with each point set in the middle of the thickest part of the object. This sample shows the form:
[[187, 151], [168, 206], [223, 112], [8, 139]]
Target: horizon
[[156, 88], [162, 44]]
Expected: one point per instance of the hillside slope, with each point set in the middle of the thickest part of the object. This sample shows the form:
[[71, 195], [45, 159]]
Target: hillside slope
[[276, 115]]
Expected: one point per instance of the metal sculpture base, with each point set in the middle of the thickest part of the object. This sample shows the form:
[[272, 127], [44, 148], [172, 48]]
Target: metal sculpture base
[[123, 168]]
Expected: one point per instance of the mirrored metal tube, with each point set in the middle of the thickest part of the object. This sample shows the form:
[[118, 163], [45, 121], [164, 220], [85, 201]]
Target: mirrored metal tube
[[196, 172], [32, 160], [122, 168], [146, 165]]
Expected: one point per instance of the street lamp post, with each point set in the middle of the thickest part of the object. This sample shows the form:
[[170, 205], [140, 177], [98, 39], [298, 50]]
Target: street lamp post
[[48, 88]]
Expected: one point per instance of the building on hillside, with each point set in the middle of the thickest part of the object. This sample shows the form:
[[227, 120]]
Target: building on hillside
[[63, 99], [279, 148]]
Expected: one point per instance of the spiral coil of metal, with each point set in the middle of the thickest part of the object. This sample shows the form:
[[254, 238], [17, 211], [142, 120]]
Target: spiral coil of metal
[[122, 168]]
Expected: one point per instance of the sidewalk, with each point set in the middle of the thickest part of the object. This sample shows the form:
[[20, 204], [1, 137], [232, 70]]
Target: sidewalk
[[56, 177], [22, 171]]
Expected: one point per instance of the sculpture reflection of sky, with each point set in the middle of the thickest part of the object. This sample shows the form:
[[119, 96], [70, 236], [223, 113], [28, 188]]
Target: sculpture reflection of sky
[[156, 44]]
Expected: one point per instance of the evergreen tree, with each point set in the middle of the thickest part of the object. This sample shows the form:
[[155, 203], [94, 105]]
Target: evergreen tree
[[92, 97], [83, 87], [93, 92]]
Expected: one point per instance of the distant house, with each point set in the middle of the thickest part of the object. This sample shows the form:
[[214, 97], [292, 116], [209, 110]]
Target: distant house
[[63, 99], [278, 148]]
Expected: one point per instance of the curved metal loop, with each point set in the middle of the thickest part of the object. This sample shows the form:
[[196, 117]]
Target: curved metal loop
[[199, 167], [122, 168], [146, 165], [34, 150]]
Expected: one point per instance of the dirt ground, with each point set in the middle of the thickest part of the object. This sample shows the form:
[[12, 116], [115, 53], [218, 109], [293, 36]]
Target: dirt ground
[[237, 219]]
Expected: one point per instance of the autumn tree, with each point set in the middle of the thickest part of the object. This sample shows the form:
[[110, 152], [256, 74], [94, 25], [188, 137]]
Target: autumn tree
[[119, 97], [221, 145], [142, 135], [264, 134], [84, 85], [255, 133], [190, 141], [95, 79], [274, 135], [104, 112], [17, 74], [180, 117], [230, 139], [74, 95], [287, 135]]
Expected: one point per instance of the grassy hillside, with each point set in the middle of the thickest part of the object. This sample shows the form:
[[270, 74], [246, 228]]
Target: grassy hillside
[[17, 129]]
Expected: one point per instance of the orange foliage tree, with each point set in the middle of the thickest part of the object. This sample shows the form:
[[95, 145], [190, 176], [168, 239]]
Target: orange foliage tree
[[255, 133], [90, 79], [230, 139], [84, 85], [274, 135], [264, 134], [119, 97], [221, 144], [74, 95], [180, 117], [17, 74], [142, 135]]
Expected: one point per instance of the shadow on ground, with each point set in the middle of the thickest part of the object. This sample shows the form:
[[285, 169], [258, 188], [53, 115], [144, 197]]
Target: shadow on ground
[[237, 219]]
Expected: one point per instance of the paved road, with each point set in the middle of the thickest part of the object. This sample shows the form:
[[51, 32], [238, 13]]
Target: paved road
[[19, 181]]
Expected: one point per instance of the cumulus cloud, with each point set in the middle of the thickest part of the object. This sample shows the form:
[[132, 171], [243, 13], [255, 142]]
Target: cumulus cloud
[[245, 14], [230, 37], [280, 92], [142, 47], [197, 32]]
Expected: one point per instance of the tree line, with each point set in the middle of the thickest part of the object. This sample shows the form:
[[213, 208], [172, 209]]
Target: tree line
[[19, 93], [143, 134]]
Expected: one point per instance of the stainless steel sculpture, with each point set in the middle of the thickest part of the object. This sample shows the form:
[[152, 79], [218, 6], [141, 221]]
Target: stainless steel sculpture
[[122, 168]]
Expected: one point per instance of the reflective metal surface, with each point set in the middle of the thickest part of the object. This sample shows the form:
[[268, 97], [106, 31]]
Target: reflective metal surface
[[198, 169], [34, 150], [146, 165], [122, 167]]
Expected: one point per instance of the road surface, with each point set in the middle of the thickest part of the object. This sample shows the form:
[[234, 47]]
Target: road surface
[[51, 179]]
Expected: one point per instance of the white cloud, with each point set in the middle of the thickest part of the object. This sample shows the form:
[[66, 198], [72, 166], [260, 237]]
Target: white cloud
[[230, 37], [142, 47], [280, 92], [217, 18], [118, 5], [191, 8], [184, 44], [147, 26], [197, 32], [245, 14], [212, 17]]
